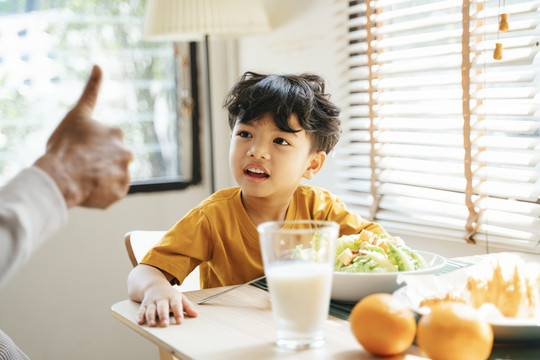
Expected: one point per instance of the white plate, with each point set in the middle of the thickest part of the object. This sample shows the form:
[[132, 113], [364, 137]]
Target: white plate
[[504, 330], [351, 287]]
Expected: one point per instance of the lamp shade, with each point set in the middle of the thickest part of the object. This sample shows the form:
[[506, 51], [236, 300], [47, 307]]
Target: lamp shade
[[190, 20]]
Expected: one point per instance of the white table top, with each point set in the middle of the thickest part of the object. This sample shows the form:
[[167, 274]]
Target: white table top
[[239, 325]]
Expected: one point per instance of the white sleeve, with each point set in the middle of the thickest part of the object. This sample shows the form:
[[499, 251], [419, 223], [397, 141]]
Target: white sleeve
[[32, 208]]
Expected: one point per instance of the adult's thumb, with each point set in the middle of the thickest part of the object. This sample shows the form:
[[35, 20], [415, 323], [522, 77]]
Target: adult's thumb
[[88, 98]]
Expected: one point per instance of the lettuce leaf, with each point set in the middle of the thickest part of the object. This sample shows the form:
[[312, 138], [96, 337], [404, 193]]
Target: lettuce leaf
[[405, 258], [370, 260], [346, 241], [376, 253]]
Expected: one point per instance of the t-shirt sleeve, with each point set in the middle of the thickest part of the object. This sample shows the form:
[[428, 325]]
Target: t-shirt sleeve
[[335, 210], [186, 245]]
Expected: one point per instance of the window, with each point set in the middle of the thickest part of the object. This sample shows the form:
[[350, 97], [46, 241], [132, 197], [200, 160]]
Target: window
[[442, 141], [47, 49]]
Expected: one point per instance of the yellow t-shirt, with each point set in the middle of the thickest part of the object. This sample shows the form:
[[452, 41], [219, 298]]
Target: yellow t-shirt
[[219, 236]]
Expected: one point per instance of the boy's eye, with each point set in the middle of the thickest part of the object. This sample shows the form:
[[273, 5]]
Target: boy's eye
[[243, 134], [281, 141]]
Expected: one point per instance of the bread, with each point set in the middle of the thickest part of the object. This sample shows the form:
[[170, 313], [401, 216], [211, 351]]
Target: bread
[[508, 283], [514, 291]]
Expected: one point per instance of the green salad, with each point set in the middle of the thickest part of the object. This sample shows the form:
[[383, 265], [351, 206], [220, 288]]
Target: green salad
[[371, 253]]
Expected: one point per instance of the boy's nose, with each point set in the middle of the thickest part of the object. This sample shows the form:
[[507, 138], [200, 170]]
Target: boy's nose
[[258, 151]]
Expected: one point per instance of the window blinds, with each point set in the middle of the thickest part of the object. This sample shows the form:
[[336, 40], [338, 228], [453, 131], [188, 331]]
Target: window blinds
[[443, 141]]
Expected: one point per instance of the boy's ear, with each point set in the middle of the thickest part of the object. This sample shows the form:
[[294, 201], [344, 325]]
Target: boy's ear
[[315, 164]]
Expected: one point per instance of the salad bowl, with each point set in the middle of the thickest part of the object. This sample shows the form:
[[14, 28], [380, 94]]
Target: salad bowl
[[352, 287]]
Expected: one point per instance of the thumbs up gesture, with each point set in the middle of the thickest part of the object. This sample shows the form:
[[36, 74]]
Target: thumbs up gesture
[[87, 160]]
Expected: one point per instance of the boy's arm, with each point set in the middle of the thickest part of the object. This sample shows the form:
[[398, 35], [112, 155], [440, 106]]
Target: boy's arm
[[151, 287]]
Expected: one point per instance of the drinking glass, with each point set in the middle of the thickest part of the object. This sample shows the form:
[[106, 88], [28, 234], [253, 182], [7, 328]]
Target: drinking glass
[[298, 259]]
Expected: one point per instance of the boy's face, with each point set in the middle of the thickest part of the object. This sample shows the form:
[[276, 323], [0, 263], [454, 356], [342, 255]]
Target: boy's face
[[269, 162]]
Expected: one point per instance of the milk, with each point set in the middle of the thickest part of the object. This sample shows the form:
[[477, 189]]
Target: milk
[[298, 259], [300, 294]]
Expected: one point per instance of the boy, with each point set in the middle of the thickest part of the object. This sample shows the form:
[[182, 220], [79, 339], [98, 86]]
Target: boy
[[282, 128]]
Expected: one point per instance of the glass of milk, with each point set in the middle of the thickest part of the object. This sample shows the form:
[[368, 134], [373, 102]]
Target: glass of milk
[[298, 259]]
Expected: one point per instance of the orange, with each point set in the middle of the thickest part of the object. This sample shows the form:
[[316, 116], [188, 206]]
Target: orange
[[383, 324], [453, 331]]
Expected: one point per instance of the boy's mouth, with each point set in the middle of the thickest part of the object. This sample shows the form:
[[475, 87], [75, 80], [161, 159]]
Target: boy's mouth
[[256, 173]]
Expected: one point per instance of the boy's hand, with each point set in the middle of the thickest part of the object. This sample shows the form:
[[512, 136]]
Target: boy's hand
[[159, 301]]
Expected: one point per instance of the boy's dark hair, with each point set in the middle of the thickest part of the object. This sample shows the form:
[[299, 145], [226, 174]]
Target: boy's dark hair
[[256, 95]]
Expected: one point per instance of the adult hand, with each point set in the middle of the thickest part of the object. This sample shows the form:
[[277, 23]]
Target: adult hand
[[87, 160]]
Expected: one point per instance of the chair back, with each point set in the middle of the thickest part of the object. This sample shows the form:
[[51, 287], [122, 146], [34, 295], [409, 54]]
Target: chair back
[[138, 243]]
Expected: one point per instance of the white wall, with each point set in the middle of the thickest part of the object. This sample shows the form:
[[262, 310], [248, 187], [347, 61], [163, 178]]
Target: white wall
[[58, 306]]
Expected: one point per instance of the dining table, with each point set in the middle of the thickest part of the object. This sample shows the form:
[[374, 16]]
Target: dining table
[[239, 325]]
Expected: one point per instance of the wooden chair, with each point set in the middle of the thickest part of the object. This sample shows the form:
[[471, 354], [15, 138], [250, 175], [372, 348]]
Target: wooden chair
[[138, 242]]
